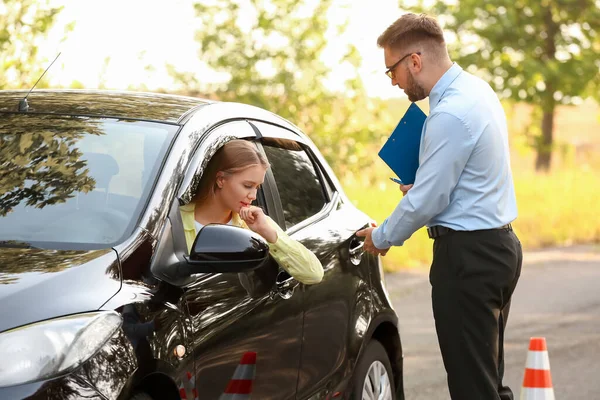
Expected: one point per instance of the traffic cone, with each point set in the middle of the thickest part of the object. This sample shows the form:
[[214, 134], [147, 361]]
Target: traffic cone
[[192, 382], [537, 383], [182, 392], [240, 384]]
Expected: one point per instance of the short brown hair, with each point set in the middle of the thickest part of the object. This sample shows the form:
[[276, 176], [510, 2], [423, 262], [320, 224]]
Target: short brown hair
[[411, 29], [234, 156]]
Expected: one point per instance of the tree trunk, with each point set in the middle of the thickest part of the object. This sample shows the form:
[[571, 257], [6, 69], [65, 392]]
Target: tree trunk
[[544, 151]]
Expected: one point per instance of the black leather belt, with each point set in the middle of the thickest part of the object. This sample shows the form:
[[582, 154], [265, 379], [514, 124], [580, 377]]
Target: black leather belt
[[438, 230]]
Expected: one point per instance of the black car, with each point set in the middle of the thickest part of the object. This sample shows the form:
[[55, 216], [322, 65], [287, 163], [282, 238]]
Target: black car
[[99, 298]]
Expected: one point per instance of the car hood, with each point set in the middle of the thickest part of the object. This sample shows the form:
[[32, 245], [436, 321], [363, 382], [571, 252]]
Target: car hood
[[38, 284]]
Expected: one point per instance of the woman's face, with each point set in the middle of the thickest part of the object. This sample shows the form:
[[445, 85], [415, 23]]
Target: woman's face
[[239, 189]]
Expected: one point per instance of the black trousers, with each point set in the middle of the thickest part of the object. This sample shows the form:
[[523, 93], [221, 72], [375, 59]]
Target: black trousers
[[473, 276]]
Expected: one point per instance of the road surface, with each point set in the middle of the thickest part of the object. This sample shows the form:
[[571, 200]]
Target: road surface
[[558, 297]]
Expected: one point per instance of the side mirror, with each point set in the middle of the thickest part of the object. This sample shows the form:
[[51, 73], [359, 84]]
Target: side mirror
[[226, 248]]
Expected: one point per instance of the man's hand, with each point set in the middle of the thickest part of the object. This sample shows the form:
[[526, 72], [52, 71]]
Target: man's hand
[[405, 188], [369, 246]]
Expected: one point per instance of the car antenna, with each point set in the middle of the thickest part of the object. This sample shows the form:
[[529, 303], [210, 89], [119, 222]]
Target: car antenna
[[23, 105]]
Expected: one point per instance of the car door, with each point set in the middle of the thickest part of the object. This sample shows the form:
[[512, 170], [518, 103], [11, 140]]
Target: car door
[[241, 327], [336, 311]]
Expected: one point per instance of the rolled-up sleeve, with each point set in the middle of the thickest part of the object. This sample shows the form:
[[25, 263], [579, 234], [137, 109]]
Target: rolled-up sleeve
[[447, 146], [301, 263]]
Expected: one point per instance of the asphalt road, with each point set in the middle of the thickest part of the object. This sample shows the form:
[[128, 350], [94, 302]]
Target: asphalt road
[[557, 297]]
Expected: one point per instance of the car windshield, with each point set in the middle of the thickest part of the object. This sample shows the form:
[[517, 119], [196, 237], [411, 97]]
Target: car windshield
[[75, 182]]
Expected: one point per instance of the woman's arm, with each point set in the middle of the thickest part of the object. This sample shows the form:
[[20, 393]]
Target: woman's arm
[[297, 260], [294, 258]]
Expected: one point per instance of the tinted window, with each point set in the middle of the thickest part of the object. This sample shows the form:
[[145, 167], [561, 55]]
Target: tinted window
[[75, 180], [299, 187]]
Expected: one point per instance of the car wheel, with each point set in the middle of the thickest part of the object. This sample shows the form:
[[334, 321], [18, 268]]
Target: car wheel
[[373, 379], [141, 396]]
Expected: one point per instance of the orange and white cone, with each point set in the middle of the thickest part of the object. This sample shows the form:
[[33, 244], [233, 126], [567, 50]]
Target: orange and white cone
[[240, 384], [192, 382], [182, 392], [537, 383]]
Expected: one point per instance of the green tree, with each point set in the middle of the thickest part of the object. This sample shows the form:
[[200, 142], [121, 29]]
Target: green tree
[[16, 261], [269, 53], [542, 52], [40, 162], [23, 23]]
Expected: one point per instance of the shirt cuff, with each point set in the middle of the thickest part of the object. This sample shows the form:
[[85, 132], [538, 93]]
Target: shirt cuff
[[378, 238]]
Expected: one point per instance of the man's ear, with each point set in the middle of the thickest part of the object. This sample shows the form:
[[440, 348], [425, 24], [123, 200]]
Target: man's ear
[[417, 62]]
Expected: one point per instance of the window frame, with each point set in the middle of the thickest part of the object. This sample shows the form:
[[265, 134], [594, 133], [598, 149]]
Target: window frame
[[218, 131], [173, 235], [330, 194]]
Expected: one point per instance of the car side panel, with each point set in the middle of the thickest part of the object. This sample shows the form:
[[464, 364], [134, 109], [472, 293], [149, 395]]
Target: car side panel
[[154, 320], [338, 310]]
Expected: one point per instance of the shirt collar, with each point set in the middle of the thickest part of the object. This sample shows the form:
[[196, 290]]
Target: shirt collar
[[188, 207], [440, 87], [187, 214], [236, 220]]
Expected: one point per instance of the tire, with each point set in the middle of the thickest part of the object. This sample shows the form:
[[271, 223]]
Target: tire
[[373, 363], [141, 396]]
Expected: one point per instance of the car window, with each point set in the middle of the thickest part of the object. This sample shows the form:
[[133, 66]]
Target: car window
[[298, 184], [76, 180], [222, 135]]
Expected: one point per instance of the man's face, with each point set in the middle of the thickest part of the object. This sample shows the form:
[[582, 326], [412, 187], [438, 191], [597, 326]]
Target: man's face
[[401, 74]]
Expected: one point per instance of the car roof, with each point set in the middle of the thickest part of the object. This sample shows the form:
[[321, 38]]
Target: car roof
[[158, 107], [135, 105]]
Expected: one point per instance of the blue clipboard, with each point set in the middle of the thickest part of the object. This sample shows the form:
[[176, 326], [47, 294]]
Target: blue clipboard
[[401, 151]]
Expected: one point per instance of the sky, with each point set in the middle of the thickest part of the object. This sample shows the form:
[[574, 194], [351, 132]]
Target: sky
[[113, 41]]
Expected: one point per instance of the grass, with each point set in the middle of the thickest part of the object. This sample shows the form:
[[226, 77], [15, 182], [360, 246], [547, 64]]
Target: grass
[[555, 209], [558, 209]]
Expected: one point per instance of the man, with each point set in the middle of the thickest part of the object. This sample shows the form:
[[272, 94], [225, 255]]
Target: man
[[464, 193]]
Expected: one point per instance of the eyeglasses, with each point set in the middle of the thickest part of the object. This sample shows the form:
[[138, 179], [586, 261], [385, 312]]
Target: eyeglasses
[[390, 71]]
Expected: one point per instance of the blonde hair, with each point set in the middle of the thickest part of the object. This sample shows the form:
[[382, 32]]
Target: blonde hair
[[414, 30], [234, 156]]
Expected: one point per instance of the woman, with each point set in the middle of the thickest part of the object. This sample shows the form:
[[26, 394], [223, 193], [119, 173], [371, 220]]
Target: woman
[[227, 188]]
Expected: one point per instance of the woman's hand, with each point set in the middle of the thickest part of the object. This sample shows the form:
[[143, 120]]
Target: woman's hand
[[257, 221]]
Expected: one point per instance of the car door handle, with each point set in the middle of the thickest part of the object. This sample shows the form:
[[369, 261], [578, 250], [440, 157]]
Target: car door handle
[[284, 289], [356, 250], [173, 307]]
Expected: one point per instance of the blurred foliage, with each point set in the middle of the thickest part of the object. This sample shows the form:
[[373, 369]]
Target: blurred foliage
[[544, 52], [562, 218], [16, 261], [555, 209], [42, 165], [270, 53], [23, 23]]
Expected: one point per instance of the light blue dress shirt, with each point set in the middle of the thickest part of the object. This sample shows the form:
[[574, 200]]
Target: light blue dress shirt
[[464, 180]]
